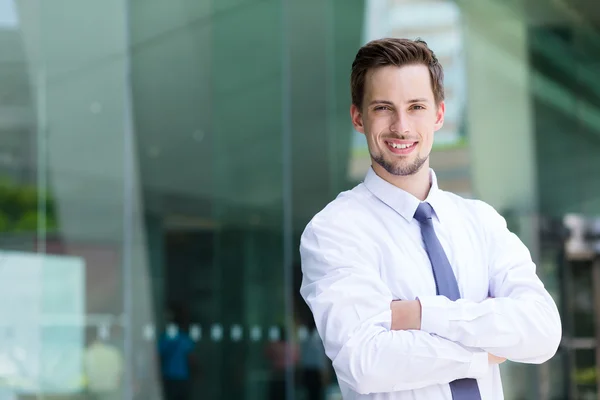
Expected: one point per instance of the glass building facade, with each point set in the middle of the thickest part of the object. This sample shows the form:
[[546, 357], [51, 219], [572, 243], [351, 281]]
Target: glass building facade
[[159, 161]]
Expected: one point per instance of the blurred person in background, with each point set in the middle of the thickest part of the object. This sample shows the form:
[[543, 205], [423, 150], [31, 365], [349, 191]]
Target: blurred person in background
[[416, 292], [175, 349], [281, 353], [104, 363]]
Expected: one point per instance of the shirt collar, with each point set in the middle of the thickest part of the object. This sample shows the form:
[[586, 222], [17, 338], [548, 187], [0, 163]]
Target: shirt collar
[[401, 201]]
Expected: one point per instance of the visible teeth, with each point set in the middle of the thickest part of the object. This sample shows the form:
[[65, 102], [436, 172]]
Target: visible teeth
[[400, 146]]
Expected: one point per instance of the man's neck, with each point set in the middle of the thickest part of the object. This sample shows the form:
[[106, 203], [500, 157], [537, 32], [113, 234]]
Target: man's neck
[[417, 184]]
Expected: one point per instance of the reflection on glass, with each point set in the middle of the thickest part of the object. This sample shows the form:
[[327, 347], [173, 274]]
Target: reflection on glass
[[42, 315]]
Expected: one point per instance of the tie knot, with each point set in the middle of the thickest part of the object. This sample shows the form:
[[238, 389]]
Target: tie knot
[[424, 212]]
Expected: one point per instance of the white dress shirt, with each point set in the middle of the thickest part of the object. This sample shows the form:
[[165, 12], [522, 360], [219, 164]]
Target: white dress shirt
[[365, 249]]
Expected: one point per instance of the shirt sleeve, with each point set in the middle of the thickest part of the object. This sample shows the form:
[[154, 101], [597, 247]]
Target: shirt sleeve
[[351, 307], [520, 322]]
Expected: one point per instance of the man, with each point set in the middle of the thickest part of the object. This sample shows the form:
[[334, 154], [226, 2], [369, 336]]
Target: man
[[416, 292]]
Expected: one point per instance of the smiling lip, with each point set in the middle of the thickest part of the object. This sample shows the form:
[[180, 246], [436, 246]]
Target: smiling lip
[[403, 147]]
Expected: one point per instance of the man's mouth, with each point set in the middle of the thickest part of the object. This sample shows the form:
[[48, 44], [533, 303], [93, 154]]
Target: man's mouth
[[401, 146]]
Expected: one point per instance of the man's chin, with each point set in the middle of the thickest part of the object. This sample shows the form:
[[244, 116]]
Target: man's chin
[[402, 168]]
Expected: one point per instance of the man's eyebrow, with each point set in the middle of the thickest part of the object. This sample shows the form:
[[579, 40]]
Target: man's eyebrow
[[389, 103]]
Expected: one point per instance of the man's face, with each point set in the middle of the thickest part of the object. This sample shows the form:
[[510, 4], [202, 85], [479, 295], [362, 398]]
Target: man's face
[[399, 117]]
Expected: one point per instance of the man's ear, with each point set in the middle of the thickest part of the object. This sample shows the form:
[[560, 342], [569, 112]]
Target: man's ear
[[357, 120], [439, 118]]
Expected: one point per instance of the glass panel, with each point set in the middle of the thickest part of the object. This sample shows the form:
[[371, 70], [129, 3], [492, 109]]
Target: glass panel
[[64, 114], [208, 100], [585, 374], [321, 142]]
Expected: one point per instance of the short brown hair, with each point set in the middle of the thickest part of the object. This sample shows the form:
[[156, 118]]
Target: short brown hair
[[395, 52]]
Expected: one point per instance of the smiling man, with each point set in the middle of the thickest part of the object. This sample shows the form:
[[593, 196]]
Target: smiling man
[[416, 292]]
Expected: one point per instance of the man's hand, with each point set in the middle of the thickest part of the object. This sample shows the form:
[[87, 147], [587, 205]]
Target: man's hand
[[494, 360], [406, 315]]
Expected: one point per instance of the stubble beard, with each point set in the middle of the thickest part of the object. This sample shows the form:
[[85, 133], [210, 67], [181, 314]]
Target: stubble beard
[[399, 168]]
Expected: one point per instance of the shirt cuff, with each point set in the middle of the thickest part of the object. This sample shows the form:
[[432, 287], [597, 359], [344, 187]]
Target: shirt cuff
[[434, 314], [480, 365]]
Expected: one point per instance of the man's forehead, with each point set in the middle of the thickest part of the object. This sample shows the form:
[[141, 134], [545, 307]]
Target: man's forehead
[[398, 82]]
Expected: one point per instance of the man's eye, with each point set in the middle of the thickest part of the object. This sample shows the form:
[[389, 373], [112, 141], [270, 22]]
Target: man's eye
[[418, 107], [381, 108]]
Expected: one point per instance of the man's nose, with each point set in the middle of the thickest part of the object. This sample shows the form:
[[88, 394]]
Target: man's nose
[[400, 124]]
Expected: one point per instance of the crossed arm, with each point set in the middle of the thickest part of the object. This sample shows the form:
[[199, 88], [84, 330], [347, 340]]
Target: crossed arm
[[519, 322], [378, 345]]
